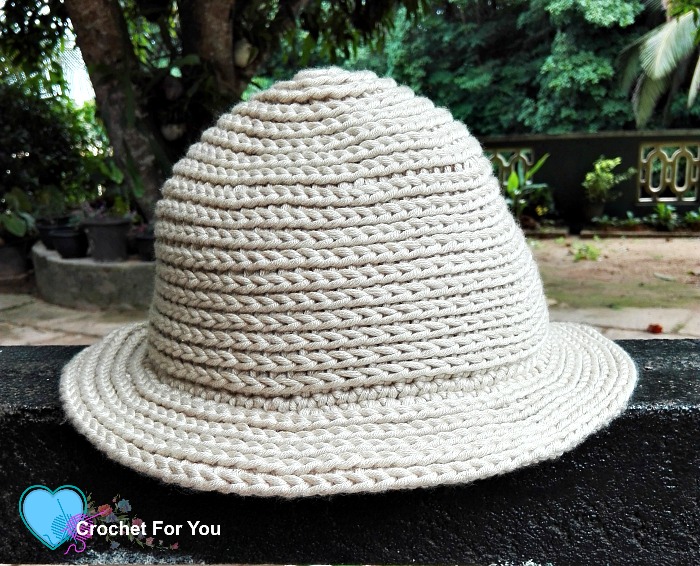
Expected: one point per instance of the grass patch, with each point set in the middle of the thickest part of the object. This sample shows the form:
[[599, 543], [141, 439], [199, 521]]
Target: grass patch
[[586, 252], [603, 294]]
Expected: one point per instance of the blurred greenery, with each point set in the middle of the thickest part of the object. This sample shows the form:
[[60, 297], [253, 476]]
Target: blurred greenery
[[506, 67], [519, 66], [53, 155], [159, 74]]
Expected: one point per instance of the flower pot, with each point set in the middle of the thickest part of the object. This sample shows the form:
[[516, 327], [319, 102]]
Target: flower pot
[[107, 238], [131, 245], [145, 244], [592, 210], [69, 242], [46, 225], [13, 260]]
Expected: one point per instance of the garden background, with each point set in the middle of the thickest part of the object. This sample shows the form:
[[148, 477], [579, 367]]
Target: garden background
[[529, 78]]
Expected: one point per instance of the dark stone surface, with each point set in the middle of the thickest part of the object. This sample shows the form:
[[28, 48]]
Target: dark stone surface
[[629, 495]]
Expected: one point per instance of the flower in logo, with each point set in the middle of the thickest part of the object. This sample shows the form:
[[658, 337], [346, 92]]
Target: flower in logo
[[124, 505], [120, 512], [104, 510]]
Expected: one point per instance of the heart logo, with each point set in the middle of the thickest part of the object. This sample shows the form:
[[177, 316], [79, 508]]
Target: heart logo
[[46, 513]]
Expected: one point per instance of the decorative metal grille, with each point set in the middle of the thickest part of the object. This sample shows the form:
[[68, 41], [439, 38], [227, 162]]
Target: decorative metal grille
[[505, 160], [669, 172]]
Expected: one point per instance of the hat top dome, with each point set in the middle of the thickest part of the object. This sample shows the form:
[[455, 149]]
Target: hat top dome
[[337, 239]]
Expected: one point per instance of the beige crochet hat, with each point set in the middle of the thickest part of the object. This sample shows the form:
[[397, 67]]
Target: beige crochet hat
[[342, 304]]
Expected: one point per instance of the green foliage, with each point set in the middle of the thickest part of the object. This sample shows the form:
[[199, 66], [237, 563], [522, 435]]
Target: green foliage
[[162, 83], [629, 221], [577, 89], [692, 218], [518, 66], [523, 195], [32, 33], [585, 252], [603, 13], [658, 64], [664, 217], [52, 154], [15, 217], [599, 183], [605, 221]]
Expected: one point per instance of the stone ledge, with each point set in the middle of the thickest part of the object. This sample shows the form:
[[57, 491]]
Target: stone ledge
[[89, 284], [628, 495]]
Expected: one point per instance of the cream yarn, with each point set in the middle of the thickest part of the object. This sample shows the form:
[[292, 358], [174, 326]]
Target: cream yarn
[[343, 303]]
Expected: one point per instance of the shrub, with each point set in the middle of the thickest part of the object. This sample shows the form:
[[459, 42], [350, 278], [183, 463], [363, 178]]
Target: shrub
[[664, 217], [52, 156], [600, 182], [586, 252], [692, 219]]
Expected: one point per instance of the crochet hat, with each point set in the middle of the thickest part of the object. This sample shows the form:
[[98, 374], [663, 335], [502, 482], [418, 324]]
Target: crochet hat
[[343, 303]]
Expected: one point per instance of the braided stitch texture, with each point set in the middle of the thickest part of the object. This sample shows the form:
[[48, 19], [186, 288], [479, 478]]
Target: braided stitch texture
[[343, 303]]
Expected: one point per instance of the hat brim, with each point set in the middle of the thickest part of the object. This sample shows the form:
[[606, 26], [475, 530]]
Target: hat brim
[[497, 422]]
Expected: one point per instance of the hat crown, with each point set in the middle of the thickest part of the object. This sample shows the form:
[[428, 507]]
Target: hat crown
[[337, 239]]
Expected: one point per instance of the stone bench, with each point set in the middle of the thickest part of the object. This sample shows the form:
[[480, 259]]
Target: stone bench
[[628, 495]]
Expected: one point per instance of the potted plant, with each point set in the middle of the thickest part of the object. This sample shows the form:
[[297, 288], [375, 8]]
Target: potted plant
[[522, 194], [70, 241], [16, 227], [692, 220], [50, 213], [145, 242], [107, 229], [600, 183]]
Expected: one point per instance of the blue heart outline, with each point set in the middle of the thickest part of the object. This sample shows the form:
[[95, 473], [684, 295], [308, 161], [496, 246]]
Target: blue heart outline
[[52, 492]]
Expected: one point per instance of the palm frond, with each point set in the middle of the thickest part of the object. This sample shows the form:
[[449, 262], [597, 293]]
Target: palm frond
[[628, 61], [646, 95], [656, 4], [667, 45], [694, 84]]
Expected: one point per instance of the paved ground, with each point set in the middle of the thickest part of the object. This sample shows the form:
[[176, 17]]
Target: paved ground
[[24, 319]]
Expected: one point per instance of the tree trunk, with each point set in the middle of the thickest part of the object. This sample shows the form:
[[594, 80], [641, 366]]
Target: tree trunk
[[207, 27], [102, 35], [132, 117]]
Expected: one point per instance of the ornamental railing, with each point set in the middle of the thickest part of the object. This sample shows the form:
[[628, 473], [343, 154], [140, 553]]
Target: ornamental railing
[[505, 160], [668, 172], [667, 164]]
